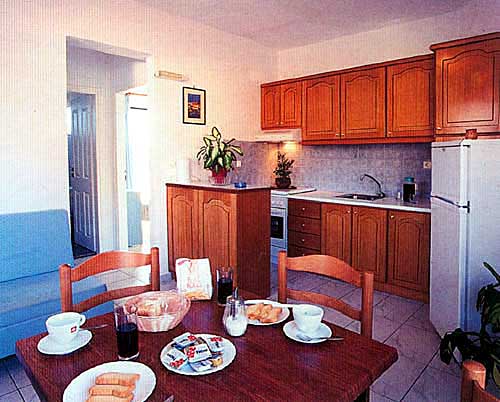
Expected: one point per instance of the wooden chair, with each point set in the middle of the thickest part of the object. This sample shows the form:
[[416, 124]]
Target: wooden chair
[[473, 383], [104, 262], [333, 268]]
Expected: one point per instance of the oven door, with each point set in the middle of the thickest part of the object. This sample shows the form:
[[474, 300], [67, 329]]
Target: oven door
[[279, 228]]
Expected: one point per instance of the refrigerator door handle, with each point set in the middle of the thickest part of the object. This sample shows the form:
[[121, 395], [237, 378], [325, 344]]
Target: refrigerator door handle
[[456, 204]]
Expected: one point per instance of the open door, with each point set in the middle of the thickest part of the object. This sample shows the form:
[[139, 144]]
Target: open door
[[82, 171]]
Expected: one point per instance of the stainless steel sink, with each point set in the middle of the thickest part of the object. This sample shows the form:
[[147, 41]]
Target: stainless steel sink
[[364, 197]]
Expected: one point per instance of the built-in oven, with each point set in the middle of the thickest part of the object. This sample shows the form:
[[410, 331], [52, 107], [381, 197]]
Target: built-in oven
[[279, 230]]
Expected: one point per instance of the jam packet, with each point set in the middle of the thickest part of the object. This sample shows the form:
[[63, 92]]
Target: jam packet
[[175, 358], [201, 366], [214, 343], [184, 340], [196, 353]]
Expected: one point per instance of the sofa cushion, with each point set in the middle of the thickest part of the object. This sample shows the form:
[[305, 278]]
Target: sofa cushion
[[33, 243], [26, 298]]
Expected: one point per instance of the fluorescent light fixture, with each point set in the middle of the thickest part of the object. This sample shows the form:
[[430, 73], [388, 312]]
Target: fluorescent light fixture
[[292, 135], [167, 75]]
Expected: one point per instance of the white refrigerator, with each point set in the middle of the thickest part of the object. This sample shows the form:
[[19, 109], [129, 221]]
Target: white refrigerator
[[465, 229]]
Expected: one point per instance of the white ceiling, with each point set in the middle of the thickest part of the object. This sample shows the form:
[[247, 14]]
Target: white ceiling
[[284, 24]]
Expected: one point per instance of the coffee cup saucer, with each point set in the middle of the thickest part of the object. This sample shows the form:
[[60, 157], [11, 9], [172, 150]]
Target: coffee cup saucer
[[290, 329], [48, 346]]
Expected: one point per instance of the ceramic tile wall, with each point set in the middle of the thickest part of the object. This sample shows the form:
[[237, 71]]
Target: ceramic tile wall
[[339, 167]]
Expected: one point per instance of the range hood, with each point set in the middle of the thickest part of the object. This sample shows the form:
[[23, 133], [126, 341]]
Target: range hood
[[290, 135]]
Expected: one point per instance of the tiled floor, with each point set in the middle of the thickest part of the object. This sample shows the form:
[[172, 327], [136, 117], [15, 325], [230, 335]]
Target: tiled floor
[[418, 375]]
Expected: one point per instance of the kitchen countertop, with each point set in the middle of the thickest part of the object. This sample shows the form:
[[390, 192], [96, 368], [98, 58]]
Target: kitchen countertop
[[421, 205], [226, 187]]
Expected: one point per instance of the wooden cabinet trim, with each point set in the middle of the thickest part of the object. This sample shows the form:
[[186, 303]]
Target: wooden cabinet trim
[[336, 231]]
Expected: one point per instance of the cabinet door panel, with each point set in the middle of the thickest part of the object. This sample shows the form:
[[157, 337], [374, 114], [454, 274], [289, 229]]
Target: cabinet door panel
[[291, 105], [182, 205], [468, 88], [363, 104], [218, 229], [369, 240], [336, 231], [321, 108], [270, 107], [410, 95], [408, 264]]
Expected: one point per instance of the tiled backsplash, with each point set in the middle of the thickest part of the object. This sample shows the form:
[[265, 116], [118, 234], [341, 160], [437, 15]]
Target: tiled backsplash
[[339, 167]]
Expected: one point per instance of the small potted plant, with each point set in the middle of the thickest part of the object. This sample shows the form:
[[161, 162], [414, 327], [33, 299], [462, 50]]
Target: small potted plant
[[282, 171], [218, 155], [482, 346]]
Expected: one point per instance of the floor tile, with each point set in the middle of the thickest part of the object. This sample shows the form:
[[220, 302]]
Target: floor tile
[[420, 319], [396, 381], [354, 298], [414, 343], [382, 328], [16, 371], [125, 283], [29, 394], [305, 280], [493, 389], [333, 288], [11, 397], [434, 386], [336, 318], [113, 276], [6, 383], [396, 308], [374, 397], [452, 368]]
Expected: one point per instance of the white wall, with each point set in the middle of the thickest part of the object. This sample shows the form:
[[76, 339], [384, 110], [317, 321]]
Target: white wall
[[391, 42], [106, 74], [33, 164]]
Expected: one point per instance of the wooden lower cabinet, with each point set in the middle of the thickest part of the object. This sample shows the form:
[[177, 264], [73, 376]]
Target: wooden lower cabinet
[[223, 227], [369, 241], [392, 244], [408, 250]]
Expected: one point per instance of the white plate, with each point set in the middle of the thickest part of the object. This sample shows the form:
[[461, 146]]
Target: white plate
[[77, 390], [285, 312], [228, 355], [290, 329], [48, 346]]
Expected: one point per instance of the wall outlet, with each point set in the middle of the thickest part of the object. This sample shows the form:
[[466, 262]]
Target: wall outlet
[[238, 163], [427, 165]]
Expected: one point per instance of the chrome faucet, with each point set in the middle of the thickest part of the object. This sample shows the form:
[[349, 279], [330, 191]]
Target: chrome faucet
[[380, 193]]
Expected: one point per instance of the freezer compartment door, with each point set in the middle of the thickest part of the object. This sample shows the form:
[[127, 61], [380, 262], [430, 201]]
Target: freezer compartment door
[[448, 265], [450, 172]]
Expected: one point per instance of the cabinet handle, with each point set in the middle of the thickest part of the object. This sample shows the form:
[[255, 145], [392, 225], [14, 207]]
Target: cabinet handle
[[355, 212], [348, 212], [392, 217], [303, 225], [303, 209], [342, 135], [438, 128], [389, 132], [303, 240], [337, 135]]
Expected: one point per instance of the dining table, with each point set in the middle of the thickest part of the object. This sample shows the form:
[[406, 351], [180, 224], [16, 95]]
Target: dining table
[[268, 365]]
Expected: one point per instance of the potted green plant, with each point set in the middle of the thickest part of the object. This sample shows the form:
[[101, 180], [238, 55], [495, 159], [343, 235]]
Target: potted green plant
[[282, 171], [218, 155], [482, 346]]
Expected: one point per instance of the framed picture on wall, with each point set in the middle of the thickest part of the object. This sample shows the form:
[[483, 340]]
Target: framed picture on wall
[[193, 100]]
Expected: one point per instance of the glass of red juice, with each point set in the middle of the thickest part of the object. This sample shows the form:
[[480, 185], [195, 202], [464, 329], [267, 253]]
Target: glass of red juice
[[127, 334], [224, 284]]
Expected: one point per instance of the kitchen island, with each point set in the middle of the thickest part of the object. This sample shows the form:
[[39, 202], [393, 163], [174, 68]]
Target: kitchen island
[[229, 226]]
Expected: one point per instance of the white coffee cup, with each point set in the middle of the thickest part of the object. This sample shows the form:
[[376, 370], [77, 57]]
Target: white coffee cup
[[64, 327], [307, 317]]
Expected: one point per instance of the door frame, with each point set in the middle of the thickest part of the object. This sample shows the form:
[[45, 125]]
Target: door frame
[[99, 101]]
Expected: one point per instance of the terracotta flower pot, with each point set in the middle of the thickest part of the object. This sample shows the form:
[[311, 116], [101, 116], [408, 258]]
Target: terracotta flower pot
[[220, 176], [283, 182]]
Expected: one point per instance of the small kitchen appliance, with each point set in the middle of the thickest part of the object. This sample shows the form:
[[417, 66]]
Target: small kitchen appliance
[[409, 189]]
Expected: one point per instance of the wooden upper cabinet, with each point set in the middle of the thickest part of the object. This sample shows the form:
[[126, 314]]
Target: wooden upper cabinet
[[410, 99], [363, 104], [281, 105], [291, 105], [336, 227], [369, 241], [218, 229], [409, 246], [321, 108], [270, 107], [182, 207], [468, 85]]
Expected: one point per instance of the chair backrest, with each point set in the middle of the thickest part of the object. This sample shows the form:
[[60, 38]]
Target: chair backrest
[[103, 262], [333, 268], [473, 382]]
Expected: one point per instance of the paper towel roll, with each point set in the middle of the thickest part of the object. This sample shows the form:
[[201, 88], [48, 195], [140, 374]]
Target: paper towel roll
[[183, 173]]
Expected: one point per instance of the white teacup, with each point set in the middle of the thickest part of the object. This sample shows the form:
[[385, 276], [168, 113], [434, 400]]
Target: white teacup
[[64, 327], [307, 317]]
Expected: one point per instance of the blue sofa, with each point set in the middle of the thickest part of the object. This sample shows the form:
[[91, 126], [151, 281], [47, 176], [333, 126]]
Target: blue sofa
[[32, 246]]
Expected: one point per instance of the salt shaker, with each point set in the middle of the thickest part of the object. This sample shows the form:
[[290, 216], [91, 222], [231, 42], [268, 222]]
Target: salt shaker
[[235, 316]]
